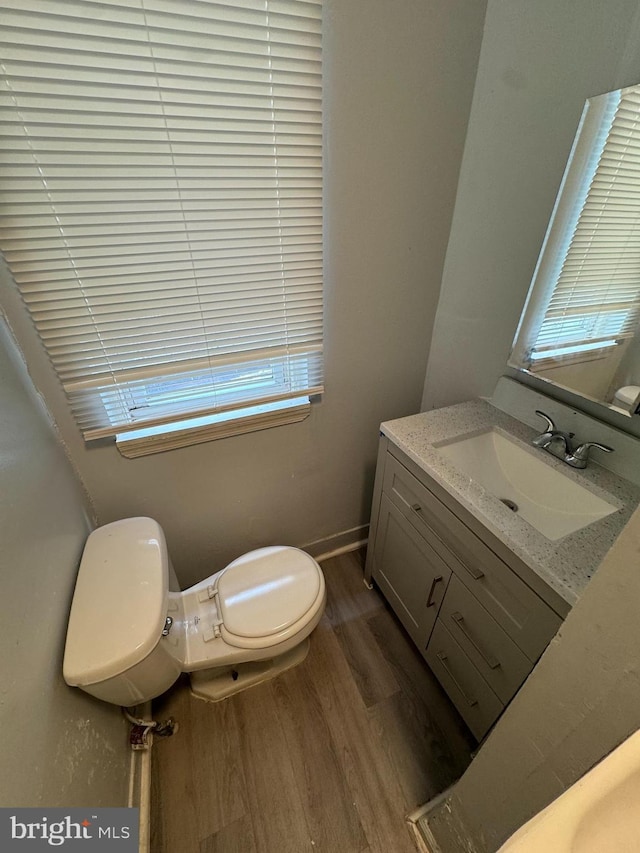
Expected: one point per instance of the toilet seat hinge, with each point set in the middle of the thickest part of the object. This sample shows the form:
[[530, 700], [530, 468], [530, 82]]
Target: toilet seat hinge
[[214, 632], [217, 621], [207, 594]]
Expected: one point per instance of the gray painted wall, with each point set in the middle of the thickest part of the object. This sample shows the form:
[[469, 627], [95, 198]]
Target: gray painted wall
[[59, 747], [539, 62], [580, 702], [398, 87]]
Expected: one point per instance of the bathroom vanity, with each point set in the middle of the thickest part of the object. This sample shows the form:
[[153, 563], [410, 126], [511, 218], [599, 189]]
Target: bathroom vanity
[[480, 591]]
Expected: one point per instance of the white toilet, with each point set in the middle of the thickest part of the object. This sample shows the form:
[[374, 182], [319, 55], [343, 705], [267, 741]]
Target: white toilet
[[625, 398], [132, 632]]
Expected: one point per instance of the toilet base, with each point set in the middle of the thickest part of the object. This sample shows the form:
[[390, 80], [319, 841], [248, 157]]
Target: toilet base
[[213, 685]]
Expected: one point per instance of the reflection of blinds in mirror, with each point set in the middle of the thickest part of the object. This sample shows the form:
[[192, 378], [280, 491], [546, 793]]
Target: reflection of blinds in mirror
[[595, 301]]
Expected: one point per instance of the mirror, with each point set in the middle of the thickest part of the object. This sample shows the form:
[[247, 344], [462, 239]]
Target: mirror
[[580, 327]]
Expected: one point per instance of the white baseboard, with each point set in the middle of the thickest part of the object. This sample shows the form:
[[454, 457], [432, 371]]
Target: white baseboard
[[338, 543], [140, 784], [418, 822], [424, 840]]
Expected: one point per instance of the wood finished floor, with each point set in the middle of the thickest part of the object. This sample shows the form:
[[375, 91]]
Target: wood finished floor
[[328, 757]]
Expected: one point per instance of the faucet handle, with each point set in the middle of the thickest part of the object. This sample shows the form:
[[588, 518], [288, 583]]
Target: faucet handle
[[582, 452], [550, 424]]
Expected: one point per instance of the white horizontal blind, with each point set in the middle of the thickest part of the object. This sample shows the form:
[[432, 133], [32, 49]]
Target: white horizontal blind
[[596, 298], [161, 200]]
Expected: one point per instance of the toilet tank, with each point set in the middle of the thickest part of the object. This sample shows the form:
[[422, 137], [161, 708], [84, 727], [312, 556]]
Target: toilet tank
[[113, 649]]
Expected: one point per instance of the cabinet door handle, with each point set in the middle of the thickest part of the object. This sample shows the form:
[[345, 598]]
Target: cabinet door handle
[[443, 660], [491, 662], [476, 574], [434, 582], [415, 508]]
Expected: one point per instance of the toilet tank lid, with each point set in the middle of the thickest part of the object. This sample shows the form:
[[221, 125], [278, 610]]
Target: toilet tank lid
[[120, 601]]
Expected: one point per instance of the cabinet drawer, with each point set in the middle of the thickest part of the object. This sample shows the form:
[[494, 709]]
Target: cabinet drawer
[[409, 572], [478, 704], [516, 608], [503, 665]]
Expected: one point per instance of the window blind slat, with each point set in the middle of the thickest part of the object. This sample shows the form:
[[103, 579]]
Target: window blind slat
[[40, 289], [161, 200], [595, 296], [84, 233]]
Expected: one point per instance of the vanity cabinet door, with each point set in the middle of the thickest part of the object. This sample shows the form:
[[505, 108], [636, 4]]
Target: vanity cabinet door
[[409, 572], [521, 612], [478, 704], [494, 654]]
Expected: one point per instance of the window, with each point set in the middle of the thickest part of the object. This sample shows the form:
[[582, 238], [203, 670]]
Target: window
[[585, 296], [162, 203]]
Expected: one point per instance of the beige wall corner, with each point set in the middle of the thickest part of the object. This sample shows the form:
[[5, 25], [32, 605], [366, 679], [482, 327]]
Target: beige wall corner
[[59, 746]]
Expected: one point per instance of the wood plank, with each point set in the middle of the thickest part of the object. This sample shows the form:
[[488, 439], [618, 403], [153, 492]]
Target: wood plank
[[331, 816], [201, 763], [374, 787], [174, 824], [422, 761], [347, 596], [349, 603], [420, 686], [216, 765], [275, 805], [160, 810], [371, 672], [237, 837]]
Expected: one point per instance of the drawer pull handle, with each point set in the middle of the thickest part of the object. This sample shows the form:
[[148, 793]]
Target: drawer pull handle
[[476, 574], [491, 662], [434, 583], [443, 660], [416, 508]]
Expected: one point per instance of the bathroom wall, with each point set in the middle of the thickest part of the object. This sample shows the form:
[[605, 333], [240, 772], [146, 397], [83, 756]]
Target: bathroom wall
[[580, 702], [398, 87], [539, 62], [58, 747]]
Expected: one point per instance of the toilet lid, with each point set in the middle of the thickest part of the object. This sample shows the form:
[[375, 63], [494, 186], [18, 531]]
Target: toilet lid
[[265, 594]]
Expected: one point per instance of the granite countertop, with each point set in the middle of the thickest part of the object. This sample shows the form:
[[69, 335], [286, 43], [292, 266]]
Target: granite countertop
[[567, 564]]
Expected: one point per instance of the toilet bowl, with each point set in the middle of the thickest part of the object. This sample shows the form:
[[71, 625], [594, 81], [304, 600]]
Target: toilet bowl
[[625, 398], [132, 631]]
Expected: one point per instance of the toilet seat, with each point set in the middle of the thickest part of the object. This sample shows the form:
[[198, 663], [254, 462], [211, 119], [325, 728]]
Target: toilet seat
[[268, 596]]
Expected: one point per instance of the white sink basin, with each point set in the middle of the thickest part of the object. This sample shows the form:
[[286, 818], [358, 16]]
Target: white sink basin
[[598, 814], [552, 502]]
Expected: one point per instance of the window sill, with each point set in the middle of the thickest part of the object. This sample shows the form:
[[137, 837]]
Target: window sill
[[144, 442]]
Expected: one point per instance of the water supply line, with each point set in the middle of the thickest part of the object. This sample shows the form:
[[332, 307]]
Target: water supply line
[[141, 728]]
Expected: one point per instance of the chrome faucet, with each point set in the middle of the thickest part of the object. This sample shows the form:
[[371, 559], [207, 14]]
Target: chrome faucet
[[552, 437], [551, 434]]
